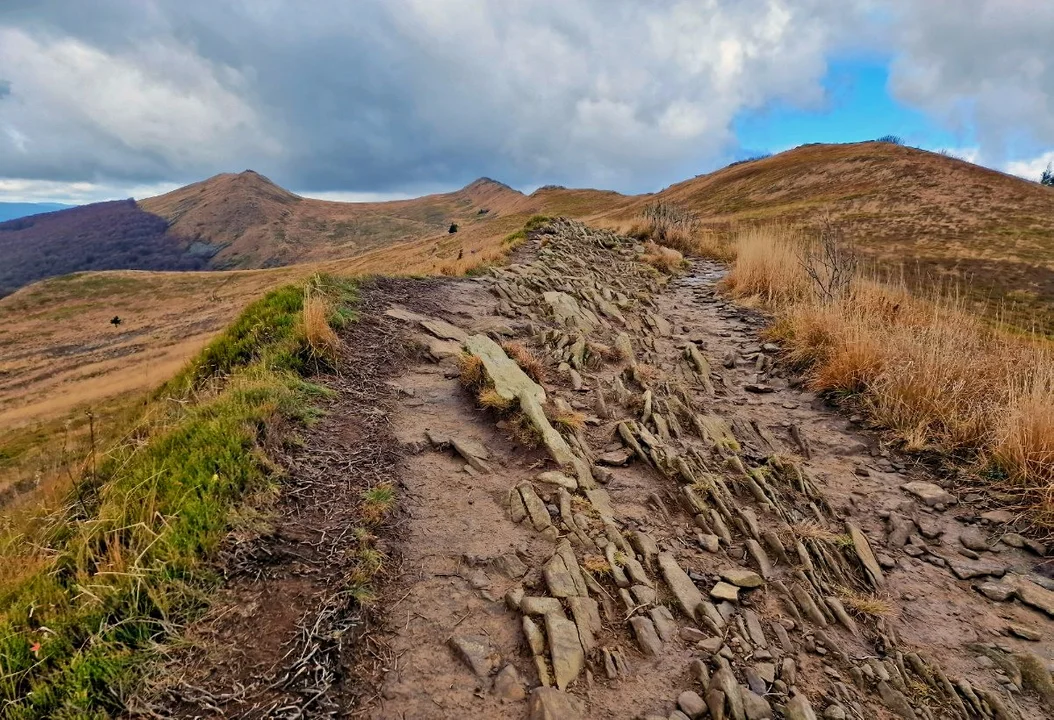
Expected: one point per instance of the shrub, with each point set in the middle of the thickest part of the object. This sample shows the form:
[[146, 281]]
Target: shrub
[[1047, 178], [891, 139], [453, 228]]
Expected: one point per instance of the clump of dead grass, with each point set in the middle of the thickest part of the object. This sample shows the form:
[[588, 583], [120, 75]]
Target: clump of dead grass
[[768, 268], [491, 399], [472, 374], [565, 419], [526, 359], [864, 605], [930, 369], [318, 329], [663, 259]]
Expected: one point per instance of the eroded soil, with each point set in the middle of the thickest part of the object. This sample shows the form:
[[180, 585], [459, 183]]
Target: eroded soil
[[719, 541]]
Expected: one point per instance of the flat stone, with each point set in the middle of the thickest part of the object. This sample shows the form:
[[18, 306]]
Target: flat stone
[[743, 578], [565, 649], [725, 591], [798, 708], [1033, 595], [691, 704], [711, 645], [928, 493], [759, 388], [477, 652], [533, 605], [558, 479], [724, 681], [563, 575], [973, 539], [508, 685], [1013, 540], [444, 330], [756, 707], [586, 613], [664, 623], [691, 634], [967, 571], [616, 458], [1024, 633], [998, 517], [999, 592], [896, 701], [710, 543], [551, 704], [647, 637], [866, 555], [687, 594]]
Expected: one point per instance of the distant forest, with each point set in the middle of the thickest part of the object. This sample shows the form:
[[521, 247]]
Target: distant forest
[[114, 235]]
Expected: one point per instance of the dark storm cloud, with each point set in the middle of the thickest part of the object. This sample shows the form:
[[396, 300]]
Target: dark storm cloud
[[387, 95]]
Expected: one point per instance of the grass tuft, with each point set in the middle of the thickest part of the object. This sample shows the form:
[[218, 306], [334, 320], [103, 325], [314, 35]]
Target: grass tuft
[[526, 359], [663, 259], [472, 373], [377, 503], [490, 399]]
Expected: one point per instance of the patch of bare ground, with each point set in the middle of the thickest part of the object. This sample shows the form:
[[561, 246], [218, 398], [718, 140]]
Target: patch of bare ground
[[288, 635], [669, 525]]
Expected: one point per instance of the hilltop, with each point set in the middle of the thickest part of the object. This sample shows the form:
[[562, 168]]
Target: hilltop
[[253, 223]]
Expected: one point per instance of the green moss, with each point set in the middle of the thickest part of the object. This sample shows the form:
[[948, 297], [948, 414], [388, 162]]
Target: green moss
[[127, 560]]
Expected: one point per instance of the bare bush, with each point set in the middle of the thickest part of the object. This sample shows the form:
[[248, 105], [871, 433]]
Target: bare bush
[[830, 262]]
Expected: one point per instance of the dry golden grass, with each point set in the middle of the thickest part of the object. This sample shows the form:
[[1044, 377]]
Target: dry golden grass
[[526, 359], [473, 375], [810, 531], [662, 258], [930, 370], [490, 399], [869, 606], [321, 337], [767, 268], [564, 419]]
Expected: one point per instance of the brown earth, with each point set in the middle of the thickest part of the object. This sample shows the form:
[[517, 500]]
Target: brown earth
[[698, 453]]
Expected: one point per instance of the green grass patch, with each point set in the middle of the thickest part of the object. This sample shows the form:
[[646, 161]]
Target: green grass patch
[[90, 586]]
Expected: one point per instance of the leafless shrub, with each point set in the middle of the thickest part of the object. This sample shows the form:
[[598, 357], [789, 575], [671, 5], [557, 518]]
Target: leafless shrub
[[830, 262]]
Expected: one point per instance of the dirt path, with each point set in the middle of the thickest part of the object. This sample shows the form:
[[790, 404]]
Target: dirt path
[[712, 540]]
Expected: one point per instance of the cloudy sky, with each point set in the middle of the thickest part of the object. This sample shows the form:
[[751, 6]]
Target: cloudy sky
[[378, 98]]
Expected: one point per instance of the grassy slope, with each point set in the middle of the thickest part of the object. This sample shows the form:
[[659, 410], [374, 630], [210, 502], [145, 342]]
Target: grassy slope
[[938, 217], [88, 586]]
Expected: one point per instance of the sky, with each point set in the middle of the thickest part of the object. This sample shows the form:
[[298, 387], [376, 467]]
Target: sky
[[372, 99]]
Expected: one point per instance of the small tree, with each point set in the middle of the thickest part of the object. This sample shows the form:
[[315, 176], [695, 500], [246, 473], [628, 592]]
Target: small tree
[[1047, 178], [453, 228]]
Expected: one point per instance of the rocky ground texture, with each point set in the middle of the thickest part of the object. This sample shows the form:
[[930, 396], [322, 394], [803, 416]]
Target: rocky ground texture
[[653, 519], [693, 535]]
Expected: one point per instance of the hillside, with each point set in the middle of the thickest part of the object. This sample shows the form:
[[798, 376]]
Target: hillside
[[938, 217], [253, 223], [102, 236], [906, 207]]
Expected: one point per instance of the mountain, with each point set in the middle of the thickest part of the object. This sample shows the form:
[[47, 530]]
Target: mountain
[[101, 236], [253, 223], [13, 210], [936, 216]]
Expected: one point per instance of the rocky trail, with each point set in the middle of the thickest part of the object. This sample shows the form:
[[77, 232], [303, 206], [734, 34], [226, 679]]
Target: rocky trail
[[667, 526]]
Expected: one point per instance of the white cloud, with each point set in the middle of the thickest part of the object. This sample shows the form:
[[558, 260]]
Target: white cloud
[[394, 93], [1031, 169], [980, 66], [75, 193], [160, 105]]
